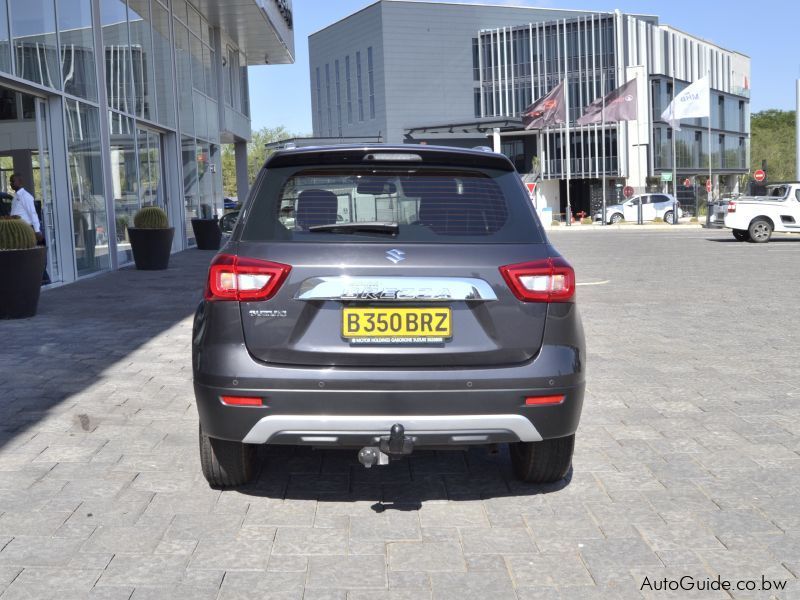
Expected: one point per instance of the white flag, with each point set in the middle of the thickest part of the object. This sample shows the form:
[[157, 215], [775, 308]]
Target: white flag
[[693, 102]]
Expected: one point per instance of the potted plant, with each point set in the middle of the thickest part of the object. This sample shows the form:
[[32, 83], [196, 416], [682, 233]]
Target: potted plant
[[151, 239], [21, 267], [207, 233]]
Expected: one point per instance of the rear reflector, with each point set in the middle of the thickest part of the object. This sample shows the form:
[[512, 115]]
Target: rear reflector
[[546, 280], [244, 279], [242, 401], [539, 400]]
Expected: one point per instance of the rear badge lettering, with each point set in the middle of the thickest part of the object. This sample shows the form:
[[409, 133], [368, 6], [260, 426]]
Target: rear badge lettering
[[268, 313], [366, 293]]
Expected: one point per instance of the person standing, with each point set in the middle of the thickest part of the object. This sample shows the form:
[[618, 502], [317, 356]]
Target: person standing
[[22, 206]]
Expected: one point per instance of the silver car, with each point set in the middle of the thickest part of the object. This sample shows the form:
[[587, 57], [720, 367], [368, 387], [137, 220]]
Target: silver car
[[653, 206]]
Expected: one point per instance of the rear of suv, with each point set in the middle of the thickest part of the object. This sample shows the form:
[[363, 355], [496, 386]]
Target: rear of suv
[[387, 299]]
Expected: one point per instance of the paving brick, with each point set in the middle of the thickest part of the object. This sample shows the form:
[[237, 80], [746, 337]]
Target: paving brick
[[687, 458]]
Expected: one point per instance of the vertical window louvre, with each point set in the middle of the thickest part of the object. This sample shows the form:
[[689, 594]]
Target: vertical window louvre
[[370, 68], [328, 98], [319, 102], [338, 99], [360, 87], [349, 91]]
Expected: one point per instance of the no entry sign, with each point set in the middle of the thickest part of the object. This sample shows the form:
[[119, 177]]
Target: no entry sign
[[708, 185], [628, 191], [759, 175]]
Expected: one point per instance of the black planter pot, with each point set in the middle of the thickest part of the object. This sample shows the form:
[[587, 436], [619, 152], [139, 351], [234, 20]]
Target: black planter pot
[[207, 233], [151, 247], [20, 282]]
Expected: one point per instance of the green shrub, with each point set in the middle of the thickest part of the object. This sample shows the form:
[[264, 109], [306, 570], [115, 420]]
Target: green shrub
[[555, 223], [151, 217], [122, 225], [693, 220], [16, 234], [586, 221], [658, 220]]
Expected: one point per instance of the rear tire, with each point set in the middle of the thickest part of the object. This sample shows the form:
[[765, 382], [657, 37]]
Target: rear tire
[[547, 461], [760, 231], [668, 217], [224, 463], [741, 235]]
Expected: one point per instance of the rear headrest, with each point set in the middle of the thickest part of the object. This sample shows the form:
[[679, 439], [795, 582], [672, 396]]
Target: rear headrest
[[417, 187], [316, 207], [376, 186]]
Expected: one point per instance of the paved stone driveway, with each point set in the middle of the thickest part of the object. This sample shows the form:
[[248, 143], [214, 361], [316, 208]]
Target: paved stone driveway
[[686, 463]]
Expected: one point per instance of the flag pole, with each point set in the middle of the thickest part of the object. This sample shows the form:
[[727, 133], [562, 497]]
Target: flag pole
[[566, 122], [675, 209], [710, 198], [603, 132]]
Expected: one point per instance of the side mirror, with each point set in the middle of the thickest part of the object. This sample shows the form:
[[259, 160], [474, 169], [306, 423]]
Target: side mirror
[[228, 221]]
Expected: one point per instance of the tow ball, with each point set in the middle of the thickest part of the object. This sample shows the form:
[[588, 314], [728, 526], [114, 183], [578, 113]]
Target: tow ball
[[394, 445]]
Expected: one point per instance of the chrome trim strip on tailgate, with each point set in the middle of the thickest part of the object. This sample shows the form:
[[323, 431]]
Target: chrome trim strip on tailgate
[[272, 425], [394, 289]]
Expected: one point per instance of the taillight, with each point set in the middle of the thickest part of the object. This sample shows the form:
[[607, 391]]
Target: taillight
[[546, 280], [244, 279], [731, 206]]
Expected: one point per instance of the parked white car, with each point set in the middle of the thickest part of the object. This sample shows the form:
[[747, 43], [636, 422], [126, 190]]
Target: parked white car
[[653, 206], [754, 218]]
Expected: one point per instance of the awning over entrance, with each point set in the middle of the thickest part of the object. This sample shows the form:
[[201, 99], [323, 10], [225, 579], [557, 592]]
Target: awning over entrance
[[261, 28], [471, 129]]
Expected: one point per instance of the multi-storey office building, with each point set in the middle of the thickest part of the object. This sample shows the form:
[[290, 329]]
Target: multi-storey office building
[[453, 73], [110, 105]]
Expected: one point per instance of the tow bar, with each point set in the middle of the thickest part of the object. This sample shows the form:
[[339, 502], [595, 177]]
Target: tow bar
[[394, 445]]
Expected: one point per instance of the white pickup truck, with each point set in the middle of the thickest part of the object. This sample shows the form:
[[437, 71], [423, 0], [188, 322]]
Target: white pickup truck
[[754, 218]]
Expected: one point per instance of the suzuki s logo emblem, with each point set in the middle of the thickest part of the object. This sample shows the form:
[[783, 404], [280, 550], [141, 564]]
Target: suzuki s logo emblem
[[395, 255]]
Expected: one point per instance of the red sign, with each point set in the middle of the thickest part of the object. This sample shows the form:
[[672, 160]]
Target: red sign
[[759, 175], [687, 182], [708, 186], [628, 191], [531, 190]]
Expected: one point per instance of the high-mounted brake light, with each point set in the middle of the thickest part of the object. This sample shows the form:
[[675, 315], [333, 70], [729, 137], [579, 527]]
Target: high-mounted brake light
[[731, 206], [244, 279], [392, 157], [546, 280]]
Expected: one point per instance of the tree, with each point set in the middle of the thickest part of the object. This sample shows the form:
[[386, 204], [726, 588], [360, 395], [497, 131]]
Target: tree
[[256, 155], [772, 138]]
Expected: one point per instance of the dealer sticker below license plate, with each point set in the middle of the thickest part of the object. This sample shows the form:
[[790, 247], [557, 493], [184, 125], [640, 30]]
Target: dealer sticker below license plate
[[396, 325]]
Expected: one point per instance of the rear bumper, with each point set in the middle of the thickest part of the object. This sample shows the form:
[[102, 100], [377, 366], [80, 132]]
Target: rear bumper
[[350, 406], [355, 430]]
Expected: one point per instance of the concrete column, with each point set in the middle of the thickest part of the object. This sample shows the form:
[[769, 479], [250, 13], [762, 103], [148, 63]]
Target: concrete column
[[242, 179], [496, 145]]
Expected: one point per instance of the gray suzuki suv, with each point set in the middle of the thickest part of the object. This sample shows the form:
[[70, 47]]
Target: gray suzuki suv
[[386, 299]]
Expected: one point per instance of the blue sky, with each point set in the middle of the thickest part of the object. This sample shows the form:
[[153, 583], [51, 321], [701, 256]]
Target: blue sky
[[766, 31]]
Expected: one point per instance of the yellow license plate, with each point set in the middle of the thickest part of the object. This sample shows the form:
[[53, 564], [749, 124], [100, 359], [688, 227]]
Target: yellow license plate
[[403, 324]]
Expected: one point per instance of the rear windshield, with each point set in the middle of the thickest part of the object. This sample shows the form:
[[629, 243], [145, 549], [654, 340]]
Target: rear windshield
[[416, 204]]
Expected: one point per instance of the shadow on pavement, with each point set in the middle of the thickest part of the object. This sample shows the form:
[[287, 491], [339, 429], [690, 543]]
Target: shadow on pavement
[[84, 335], [336, 476], [774, 240]]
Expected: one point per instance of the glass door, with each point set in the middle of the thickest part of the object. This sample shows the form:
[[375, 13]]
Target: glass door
[[43, 184]]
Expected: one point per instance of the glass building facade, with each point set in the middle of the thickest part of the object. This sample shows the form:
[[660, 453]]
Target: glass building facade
[[515, 66], [112, 105]]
